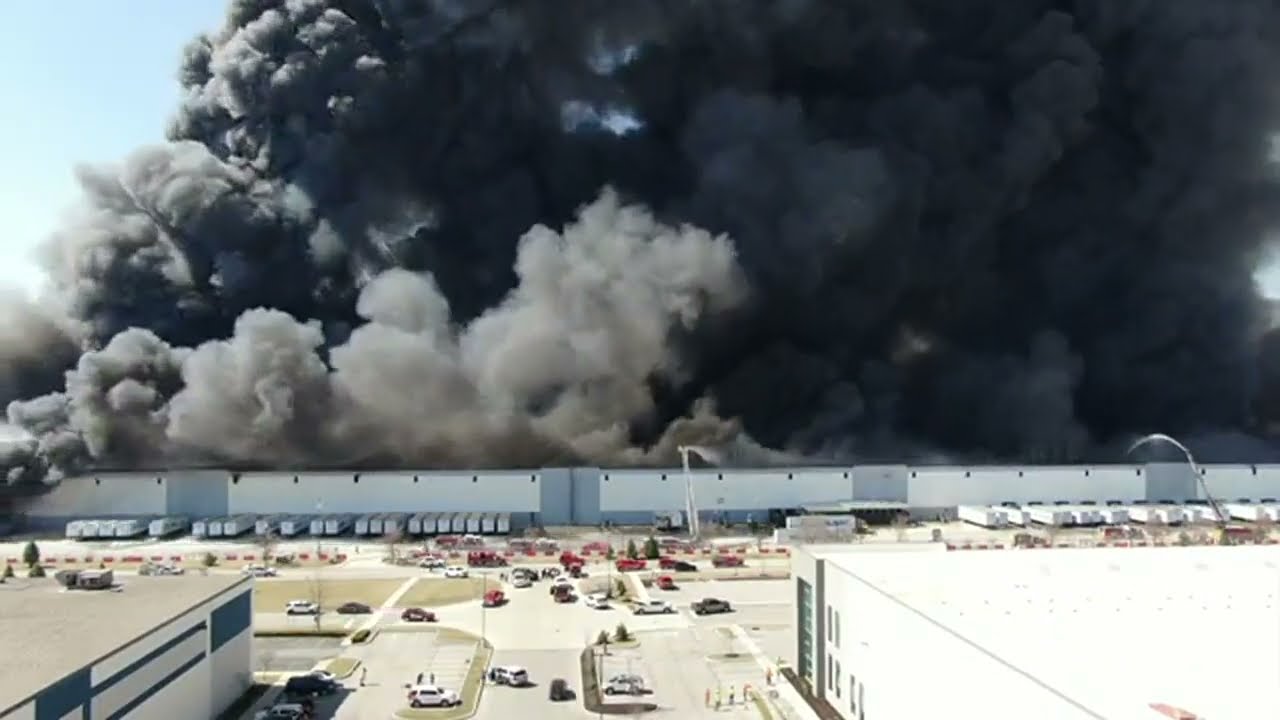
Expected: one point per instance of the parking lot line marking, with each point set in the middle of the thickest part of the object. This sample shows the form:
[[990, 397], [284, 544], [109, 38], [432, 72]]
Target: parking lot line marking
[[376, 615]]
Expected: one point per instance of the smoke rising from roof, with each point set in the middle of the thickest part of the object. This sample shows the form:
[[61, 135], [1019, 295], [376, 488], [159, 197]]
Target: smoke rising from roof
[[456, 232]]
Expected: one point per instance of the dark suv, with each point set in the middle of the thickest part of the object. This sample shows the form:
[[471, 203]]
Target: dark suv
[[711, 606], [309, 685]]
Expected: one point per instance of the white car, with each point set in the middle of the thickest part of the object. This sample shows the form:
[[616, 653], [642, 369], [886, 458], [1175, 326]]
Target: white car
[[284, 711], [455, 571], [521, 581], [431, 563], [259, 571], [301, 607], [624, 685], [599, 601], [654, 607], [512, 675], [432, 696], [562, 580]]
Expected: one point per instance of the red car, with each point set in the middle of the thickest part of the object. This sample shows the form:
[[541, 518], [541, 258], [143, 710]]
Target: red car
[[417, 615], [666, 582], [495, 598], [625, 564], [722, 561]]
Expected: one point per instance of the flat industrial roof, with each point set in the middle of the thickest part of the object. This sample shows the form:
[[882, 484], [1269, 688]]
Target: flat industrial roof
[[1094, 632], [51, 632]]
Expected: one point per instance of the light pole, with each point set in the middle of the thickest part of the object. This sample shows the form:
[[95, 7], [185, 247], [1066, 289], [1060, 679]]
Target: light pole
[[318, 594]]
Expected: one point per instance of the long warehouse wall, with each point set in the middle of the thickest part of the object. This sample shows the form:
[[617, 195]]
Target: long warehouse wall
[[587, 496]]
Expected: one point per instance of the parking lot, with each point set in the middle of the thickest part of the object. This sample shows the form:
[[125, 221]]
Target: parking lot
[[683, 658]]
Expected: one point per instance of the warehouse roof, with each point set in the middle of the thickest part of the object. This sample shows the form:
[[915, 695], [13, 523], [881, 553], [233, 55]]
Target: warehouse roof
[[1097, 633], [51, 632]]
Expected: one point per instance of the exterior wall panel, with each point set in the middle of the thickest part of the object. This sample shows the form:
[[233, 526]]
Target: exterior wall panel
[[197, 493], [1238, 482], [102, 495], [369, 492], [715, 490]]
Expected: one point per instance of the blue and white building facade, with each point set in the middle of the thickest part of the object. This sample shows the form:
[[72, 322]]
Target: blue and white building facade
[[589, 496], [193, 666]]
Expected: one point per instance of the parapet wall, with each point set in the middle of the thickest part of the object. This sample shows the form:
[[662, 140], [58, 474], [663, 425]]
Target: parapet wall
[[555, 496]]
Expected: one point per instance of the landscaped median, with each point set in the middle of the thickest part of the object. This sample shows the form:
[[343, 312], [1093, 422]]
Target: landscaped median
[[472, 685], [342, 667], [593, 695]]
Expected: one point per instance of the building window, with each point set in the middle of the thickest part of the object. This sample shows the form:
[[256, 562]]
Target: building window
[[836, 631], [806, 630], [836, 679], [853, 694], [862, 702], [830, 677], [829, 611]]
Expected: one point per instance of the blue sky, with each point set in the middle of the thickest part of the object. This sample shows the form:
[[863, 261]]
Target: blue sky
[[84, 81], [88, 81]]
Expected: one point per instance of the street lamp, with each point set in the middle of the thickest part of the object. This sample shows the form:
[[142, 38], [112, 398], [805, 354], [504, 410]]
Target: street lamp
[[317, 590]]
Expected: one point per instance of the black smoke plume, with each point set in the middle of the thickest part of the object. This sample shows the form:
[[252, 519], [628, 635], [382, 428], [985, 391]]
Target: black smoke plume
[[488, 232]]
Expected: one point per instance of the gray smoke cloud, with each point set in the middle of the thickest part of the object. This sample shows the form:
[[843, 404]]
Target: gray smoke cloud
[[505, 232]]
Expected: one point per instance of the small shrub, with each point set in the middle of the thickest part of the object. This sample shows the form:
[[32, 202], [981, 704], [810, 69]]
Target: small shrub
[[619, 588], [632, 551], [8, 571], [603, 638], [31, 554], [37, 571], [651, 549], [610, 555], [209, 560], [621, 633]]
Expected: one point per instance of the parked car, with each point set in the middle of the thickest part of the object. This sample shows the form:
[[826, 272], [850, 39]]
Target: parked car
[[521, 581], [563, 594], [259, 571], [495, 598], [354, 608], [431, 563], [301, 607], [721, 561], [309, 686], [711, 606], [684, 566], [629, 564], [598, 601], [512, 675], [283, 711], [432, 696], [654, 607], [151, 568], [560, 691], [624, 685], [414, 614], [324, 675], [665, 582], [455, 571]]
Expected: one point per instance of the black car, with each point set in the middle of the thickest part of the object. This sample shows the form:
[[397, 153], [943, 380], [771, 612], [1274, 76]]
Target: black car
[[711, 606], [684, 566], [560, 691], [354, 608], [309, 685]]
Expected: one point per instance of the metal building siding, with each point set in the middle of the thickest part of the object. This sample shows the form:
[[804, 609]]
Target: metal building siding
[[586, 496], [65, 696], [197, 493]]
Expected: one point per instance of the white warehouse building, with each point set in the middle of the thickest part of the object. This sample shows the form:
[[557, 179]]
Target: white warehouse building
[[1066, 634], [154, 648]]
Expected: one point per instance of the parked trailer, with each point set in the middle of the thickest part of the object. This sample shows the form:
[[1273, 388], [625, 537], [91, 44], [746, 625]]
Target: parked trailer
[[1114, 515], [1049, 515], [473, 524], [1162, 514], [294, 525], [267, 525], [1086, 515], [237, 525], [75, 530], [415, 524], [215, 526], [503, 525], [316, 527], [170, 525], [986, 517], [362, 524], [394, 524], [488, 523], [337, 524], [1197, 514], [200, 528], [444, 523], [459, 526], [132, 528]]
